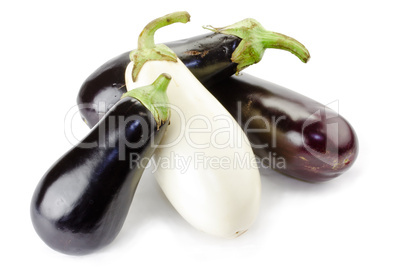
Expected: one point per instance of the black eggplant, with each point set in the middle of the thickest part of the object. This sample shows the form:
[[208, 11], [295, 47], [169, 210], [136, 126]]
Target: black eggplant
[[210, 57], [81, 202], [289, 132]]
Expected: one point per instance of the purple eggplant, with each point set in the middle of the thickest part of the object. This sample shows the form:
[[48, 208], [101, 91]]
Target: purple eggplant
[[289, 132], [81, 202], [210, 57]]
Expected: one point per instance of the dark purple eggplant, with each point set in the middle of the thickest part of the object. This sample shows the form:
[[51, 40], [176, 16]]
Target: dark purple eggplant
[[210, 57], [81, 202], [291, 133]]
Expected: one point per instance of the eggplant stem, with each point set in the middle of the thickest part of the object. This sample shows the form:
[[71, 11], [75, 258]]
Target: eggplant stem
[[146, 38], [255, 39], [154, 98], [147, 50], [284, 42]]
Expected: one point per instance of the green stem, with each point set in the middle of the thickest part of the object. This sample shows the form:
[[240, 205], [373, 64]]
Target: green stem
[[147, 50], [255, 39], [146, 38], [154, 98]]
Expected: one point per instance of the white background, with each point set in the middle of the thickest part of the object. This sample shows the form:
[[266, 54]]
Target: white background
[[48, 48]]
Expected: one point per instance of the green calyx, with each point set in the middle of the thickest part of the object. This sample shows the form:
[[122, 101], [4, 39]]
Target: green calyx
[[255, 39], [154, 98], [147, 50]]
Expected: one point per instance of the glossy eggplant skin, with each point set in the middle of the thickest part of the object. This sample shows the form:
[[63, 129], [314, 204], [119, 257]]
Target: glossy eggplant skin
[[291, 133], [207, 56], [81, 202]]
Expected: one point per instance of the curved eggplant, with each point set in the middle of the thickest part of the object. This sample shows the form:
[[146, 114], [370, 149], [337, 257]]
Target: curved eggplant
[[219, 189], [289, 132], [82, 201], [210, 57]]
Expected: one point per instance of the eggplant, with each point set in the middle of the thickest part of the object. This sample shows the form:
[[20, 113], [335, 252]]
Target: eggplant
[[289, 132], [210, 57], [219, 190], [81, 202]]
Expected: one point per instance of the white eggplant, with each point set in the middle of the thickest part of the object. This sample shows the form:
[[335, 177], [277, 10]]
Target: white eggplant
[[204, 164]]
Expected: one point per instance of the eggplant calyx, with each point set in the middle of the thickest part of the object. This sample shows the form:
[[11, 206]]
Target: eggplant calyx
[[147, 50], [255, 39], [154, 98]]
